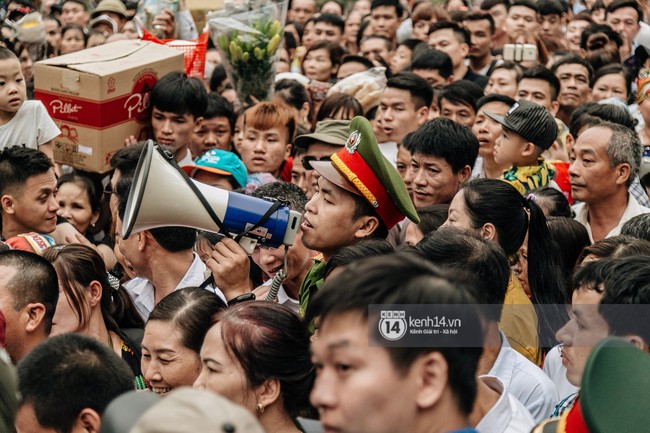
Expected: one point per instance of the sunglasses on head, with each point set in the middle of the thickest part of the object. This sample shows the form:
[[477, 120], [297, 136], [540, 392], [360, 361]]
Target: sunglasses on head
[[307, 160]]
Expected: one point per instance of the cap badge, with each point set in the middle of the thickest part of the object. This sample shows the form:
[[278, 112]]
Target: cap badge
[[513, 108], [353, 142]]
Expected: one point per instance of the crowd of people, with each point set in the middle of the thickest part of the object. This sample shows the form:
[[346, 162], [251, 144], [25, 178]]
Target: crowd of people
[[492, 155]]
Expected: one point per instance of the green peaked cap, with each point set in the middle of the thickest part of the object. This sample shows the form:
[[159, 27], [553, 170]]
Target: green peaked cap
[[615, 393], [362, 169]]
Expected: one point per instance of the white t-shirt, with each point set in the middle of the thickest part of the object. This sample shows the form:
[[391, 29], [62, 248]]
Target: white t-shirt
[[31, 127]]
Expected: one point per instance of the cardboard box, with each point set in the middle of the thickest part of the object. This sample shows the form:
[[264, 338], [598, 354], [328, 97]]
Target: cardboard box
[[100, 96], [200, 8]]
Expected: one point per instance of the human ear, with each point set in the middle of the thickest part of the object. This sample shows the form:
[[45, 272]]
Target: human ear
[[366, 225], [268, 393], [95, 293], [489, 231], [431, 371], [35, 312], [7, 203], [88, 421]]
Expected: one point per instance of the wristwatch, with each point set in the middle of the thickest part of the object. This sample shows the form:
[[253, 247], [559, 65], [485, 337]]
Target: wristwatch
[[241, 298]]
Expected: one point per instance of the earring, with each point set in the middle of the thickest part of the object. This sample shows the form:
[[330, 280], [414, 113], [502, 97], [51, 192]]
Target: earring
[[260, 408]]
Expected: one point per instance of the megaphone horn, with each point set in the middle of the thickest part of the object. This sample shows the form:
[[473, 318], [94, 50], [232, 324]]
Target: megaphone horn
[[162, 195]]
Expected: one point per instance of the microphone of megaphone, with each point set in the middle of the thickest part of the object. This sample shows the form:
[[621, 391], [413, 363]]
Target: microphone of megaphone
[[162, 195]]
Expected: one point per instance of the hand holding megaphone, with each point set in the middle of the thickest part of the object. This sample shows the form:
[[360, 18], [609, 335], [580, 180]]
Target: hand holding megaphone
[[230, 268], [162, 195]]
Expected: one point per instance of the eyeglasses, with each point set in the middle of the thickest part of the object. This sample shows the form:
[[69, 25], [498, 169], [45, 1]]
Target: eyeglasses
[[307, 160]]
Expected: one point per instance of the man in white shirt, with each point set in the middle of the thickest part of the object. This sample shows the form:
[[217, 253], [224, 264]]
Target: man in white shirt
[[451, 248], [162, 260], [604, 161]]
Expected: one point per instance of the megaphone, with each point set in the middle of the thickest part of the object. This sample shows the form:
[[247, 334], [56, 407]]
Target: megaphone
[[162, 195]]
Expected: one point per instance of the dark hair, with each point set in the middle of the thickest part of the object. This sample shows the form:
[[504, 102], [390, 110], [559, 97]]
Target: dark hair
[[550, 7], [627, 283], [572, 59], [394, 3], [363, 208], [361, 250], [432, 217], [69, 373], [616, 69], [616, 247], [420, 90], [619, 4], [499, 203], [17, 164], [578, 119], [349, 58], [271, 342], [35, 281], [331, 19], [465, 252], [339, 102], [411, 44], [126, 159], [446, 139], [177, 93], [460, 33], [219, 76], [507, 100], [481, 16], [172, 239], [547, 289], [73, 26], [293, 93], [603, 29], [601, 57], [87, 185], [218, 106], [637, 227], [77, 266], [590, 276], [406, 279], [461, 92], [190, 310], [571, 237], [386, 41], [288, 193], [540, 72], [509, 66], [334, 50], [429, 59], [552, 202], [486, 5], [525, 3]]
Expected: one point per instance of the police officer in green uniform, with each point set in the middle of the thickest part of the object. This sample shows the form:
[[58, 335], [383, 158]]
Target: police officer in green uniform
[[359, 195]]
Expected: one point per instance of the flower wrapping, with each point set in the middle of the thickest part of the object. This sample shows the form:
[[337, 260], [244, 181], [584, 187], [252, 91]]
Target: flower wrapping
[[248, 33]]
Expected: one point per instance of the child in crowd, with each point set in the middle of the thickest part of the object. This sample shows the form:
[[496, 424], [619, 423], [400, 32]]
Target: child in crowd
[[22, 123], [528, 130]]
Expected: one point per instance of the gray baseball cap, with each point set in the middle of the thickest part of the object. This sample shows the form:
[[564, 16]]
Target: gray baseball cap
[[532, 121]]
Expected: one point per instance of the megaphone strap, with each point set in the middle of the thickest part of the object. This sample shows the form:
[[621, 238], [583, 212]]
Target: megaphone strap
[[270, 211], [197, 193]]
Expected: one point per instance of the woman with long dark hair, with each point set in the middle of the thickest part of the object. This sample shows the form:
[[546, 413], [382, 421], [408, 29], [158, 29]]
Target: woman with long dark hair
[[499, 212]]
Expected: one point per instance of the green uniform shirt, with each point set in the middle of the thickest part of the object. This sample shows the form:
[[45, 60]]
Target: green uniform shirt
[[311, 285]]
